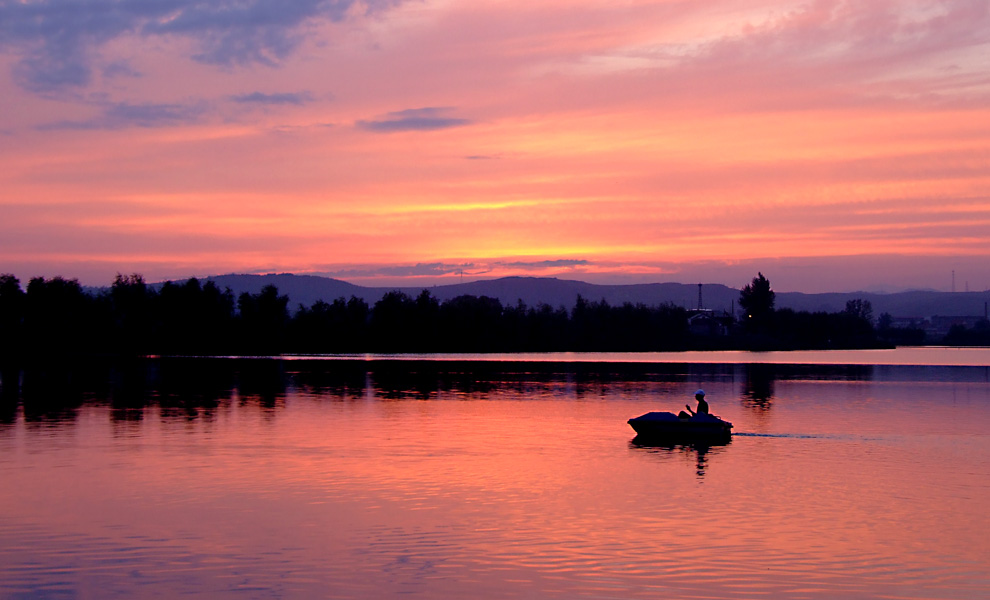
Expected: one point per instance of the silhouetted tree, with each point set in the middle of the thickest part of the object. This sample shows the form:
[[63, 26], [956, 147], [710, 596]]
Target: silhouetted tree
[[595, 326], [263, 320], [355, 317], [859, 308], [337, 327], [978, 335], [391, 322], [515, 326], [899, 336], [12, 305], [195, 319], [426, 323], [131, 305], [472, 324], [669, 329], [791, 330], [59, 317], [854, 325], [56, 316], [217, 306], [312, 328], [548, 328], [757, 301]]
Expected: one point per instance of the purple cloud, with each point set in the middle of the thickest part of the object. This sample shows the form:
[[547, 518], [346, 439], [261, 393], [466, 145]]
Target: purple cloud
[[546, 264], [58, 38], [123, 114], [417, 270], [296, 99], [414, 119]]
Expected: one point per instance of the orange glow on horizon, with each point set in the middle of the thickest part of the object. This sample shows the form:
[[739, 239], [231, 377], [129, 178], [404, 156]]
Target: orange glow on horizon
[[629, 139]]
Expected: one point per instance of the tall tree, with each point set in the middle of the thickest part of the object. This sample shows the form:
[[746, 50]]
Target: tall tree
[[11, 314], [859, 308], [391, 322], [757, 300], [263, 319], [131, 302], [58, 317]]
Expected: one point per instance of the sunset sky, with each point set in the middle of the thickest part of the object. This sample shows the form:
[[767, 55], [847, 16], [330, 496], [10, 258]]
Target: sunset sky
[[834, 146]]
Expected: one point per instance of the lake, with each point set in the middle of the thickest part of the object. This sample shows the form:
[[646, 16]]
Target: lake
[[509, 476]]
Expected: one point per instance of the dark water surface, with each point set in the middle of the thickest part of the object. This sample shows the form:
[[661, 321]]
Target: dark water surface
[[504, 479]]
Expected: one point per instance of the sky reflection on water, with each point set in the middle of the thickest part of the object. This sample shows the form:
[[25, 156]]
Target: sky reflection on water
[[298, 479]]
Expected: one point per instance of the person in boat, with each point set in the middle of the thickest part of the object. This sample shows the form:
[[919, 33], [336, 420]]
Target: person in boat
[[702, 406]]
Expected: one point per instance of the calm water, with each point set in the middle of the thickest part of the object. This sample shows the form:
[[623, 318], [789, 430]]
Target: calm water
[[503, 479]]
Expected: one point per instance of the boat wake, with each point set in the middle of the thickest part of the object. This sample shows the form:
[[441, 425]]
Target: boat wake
[[803, 436]]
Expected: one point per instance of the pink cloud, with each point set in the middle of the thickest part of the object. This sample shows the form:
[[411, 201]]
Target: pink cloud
[[631, 136]]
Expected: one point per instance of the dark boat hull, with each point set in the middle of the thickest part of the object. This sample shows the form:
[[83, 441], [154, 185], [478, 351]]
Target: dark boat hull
[[669, 425]]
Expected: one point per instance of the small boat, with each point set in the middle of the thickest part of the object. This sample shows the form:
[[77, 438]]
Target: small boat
[[668, 425]]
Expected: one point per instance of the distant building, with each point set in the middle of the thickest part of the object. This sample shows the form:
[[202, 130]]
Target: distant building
[[941, 325], [935, 326], [910, 322], [706, 322]]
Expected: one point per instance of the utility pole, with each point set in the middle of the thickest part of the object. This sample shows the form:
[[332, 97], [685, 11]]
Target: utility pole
[[700, 305], [953, 281]]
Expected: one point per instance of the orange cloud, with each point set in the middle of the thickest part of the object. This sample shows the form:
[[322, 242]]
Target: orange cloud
[[629, 138]]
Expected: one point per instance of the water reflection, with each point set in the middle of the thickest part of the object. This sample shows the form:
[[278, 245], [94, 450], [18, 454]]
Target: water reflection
[[758, 386], [289, 478], [53, 395], [759, 379], [671, 447], [348, 384], [197, 388], [264, 383], [10, 393]]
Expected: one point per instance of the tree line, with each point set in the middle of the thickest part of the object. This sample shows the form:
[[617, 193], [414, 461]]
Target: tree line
[[764, 326], [58, 317]]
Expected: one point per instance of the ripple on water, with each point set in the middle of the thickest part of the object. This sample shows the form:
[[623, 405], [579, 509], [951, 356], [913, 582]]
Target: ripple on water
[[547, 498]]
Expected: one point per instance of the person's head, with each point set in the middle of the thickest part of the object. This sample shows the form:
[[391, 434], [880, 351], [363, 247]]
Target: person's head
[[700, 394]]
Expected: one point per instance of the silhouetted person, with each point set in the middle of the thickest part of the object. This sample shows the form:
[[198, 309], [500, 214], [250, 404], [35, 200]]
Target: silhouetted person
[[702, 404]]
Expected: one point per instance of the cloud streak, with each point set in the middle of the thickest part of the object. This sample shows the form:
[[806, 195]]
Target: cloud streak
[[582, 139], [277, 99], [546, 264], [414, 119], [59, 38], [442, 269], [435, 269], [124, 115]]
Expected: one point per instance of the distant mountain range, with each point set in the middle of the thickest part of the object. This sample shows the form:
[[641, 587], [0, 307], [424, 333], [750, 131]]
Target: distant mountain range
[[307, 289]]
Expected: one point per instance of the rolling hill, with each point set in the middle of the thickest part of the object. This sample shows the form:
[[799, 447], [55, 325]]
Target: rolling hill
[[307, 289]]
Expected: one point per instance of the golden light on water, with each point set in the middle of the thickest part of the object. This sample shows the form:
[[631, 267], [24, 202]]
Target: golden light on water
[[295, 476]]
